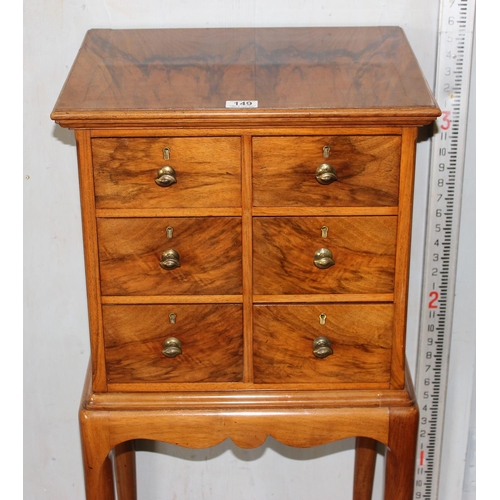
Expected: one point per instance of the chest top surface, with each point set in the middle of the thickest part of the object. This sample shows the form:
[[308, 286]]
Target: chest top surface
[[305, 73]]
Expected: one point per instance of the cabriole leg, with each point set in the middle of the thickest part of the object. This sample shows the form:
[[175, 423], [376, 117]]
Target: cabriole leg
[[364, 468], [126, 485], [98, 470], [400, 457]]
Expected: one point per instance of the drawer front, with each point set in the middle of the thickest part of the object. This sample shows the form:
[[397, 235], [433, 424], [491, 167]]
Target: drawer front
[[360, 336], [366, 167], [206, 170], [362, 249], [134, 337], [131, 252]]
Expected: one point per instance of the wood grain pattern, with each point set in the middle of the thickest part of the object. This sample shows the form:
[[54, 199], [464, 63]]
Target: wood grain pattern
[[207, 170], [225, 397], [318, 298], [180, 76], [102, 430], [125, 471], [346, 67], [189, 428], [243, 129], [134, 337], [361, 337], [209, 248], [364, 468], [210, 387], [367, 169], [400, 460], [247, 252], [198, 424], [363, 249], [158, 69], [403, 256], [180, 299], [176, 212], [91, 251], [215, 119], [318, 210], [97, 466]]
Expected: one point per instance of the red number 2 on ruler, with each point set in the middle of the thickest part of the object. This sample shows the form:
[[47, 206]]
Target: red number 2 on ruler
[[434, 298]]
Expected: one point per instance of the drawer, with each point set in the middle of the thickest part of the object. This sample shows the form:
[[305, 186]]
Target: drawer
[[366, 168], [134, 338], [360, 336], [206, 169], [362, 251], [209, 254]]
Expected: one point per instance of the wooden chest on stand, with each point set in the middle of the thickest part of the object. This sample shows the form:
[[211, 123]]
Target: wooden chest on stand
[[246, 204]]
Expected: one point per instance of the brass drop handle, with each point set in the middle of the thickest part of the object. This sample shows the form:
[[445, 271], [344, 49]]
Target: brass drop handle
[[172, 347], [326, 174], [166, 176], [323, 258], [170, 259], [322, 347]]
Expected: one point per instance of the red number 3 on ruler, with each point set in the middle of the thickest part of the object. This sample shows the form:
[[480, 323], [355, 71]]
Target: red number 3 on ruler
[[434, 298], [445, 119]]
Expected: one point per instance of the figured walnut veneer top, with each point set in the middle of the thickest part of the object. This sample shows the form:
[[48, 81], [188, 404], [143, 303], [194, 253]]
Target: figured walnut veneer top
[[124, 76]]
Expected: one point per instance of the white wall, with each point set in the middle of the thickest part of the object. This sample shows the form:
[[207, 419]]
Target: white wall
[[55, 318]]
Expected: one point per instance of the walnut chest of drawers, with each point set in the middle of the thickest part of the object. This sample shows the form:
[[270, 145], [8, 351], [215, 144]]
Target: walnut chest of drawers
[[246, 204]]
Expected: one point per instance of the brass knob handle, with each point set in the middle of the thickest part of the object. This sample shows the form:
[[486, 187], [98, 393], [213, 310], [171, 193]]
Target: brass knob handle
[[325, 174], [170, 259], [323, 258], [172, 347], [322, 347], [166, 176]]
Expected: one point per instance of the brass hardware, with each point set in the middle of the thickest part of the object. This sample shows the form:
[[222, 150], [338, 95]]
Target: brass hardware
[[322, 318], [326, 151], [325, 174], [172, 317], [170, 232], [172, 347], [170, 259], [323, 258], [166, 176], [166, 153], [322, 347], [324, 232]]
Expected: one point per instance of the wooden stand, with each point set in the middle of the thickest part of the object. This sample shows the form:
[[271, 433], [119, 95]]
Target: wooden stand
[[200, 420]]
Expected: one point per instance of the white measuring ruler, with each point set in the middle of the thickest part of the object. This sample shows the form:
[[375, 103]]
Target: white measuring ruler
[[456, 33]]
